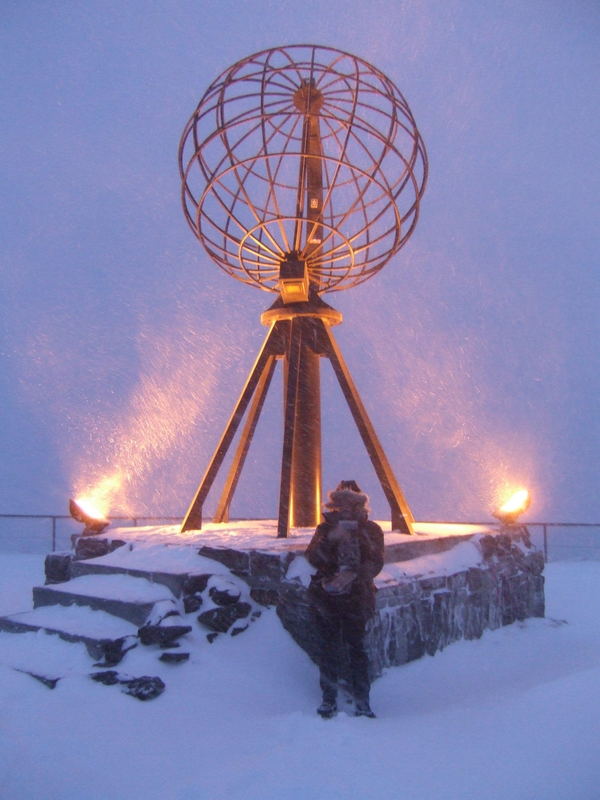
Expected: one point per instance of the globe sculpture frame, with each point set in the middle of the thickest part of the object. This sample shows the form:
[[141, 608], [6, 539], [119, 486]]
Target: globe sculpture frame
[[302, 173]]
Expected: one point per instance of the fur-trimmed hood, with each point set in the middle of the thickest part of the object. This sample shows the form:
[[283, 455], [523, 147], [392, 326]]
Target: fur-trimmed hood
[[347, 500]]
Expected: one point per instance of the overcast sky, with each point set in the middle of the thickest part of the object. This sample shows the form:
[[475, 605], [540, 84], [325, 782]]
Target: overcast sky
[[476, 349]]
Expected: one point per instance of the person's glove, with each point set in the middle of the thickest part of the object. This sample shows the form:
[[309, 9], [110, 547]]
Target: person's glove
[[340, 583]]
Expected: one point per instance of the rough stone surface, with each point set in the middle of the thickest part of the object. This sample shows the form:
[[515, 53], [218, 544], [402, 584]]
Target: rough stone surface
[[224, 595], [90, 547], [220, 619], [144, 688], [57, 567], [174, 658], [265, 596], [196, 584], [235, 560], [267, 567], [109, 677], [192, 603], [421, 615], [113, 650], [163, 635], [256, 567]]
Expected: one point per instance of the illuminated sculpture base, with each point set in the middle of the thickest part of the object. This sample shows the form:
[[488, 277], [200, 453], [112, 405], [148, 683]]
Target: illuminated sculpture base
[[152, 586]]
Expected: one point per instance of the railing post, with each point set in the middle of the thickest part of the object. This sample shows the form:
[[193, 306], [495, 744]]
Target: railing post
[[545, 527], [53, 534]]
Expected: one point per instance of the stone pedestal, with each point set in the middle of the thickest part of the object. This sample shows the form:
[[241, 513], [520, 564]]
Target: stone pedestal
[[444, 584], [426, 603]]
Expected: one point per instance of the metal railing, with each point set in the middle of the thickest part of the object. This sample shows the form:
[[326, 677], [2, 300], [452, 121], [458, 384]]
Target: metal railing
[[54, 519], [545, 526], [576, 539]]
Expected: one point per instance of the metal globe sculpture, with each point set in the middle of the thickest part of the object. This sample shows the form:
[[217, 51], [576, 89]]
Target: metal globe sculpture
[[307, 151], [302, 173]]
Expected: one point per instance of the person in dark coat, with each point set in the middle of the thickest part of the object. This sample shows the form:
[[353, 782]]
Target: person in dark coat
[[347, 552]]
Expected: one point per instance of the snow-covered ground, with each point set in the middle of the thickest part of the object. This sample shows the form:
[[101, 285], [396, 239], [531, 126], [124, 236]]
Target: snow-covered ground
[[513, 715]]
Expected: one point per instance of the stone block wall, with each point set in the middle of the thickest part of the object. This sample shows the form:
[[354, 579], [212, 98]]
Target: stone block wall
[[420, 615], [417, 612]]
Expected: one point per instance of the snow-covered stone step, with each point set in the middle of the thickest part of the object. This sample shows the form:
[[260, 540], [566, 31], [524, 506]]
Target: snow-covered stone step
[[123, 596], [174, 581], [104, 635]]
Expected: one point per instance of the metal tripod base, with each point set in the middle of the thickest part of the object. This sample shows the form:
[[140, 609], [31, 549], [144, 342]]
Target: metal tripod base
[[299, 333]]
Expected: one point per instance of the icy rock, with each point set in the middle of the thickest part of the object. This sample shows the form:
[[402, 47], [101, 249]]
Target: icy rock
[[269, 566], [239, 629], [224, 592], [161, 611], [163, 625], [57, 567], [144, 688], [196, 584], [113, 650], [49, 682], [192, 603], [220, 619], [265, 597], [235, 560], [174, 658], [109, 677], [90, 547], [163, 635]]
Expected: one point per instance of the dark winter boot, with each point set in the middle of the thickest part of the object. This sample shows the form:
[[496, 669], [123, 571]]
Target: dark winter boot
[[329, 689], [362, 708], [328, 708]]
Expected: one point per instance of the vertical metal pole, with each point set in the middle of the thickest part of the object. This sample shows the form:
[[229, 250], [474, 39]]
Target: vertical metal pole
[[53, 534], [545, 543], [291, 391], [314, 185], [306, 448], [306, 458]]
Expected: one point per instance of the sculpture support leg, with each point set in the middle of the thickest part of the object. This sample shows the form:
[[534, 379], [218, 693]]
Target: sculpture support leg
[[301, 340], [402, 517], [271, 346], [222, 512]]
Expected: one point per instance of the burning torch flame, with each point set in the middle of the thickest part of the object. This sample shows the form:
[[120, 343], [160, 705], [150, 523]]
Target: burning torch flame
[[518, 502], [513, 507], [89, 508], [96, 502], [93, 523]]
